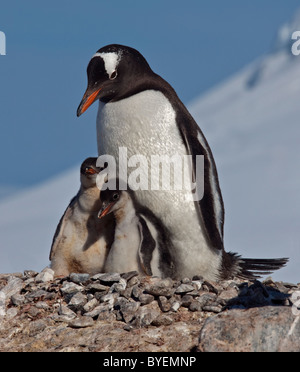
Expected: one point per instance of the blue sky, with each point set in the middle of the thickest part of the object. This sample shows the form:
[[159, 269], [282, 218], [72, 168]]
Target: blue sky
[[192, 44]]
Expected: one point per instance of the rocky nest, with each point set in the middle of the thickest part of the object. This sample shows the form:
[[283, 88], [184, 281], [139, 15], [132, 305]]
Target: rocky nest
[[129, 312]]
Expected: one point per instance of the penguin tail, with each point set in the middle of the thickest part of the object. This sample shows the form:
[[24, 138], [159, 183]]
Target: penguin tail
[[249, 268]]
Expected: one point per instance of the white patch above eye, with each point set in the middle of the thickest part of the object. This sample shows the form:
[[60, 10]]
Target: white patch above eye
[[111, 61]]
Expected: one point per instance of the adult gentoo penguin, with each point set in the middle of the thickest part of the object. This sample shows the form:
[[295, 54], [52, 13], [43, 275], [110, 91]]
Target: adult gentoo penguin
[[81, 241], [140, 111], [141, 241]]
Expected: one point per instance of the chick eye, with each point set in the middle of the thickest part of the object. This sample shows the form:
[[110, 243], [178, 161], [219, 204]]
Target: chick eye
[[116, 196], [113, 75]]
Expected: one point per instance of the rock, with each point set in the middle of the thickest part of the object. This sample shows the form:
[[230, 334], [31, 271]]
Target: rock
[[195, 306], [127, 308], [145, 298], [17, 299], [64, 314], [175, 306], [145, 315], [262, 329], [184, 288], [97, 287], [46, 275], [77, 302], [13, 286], [186, 300], [160, 287], [2, 304], [107, 278], [90, 305], [70, 288], [162, 320], [79, 278], [130, 312], [81, 322], [102, 308], [164, 304]]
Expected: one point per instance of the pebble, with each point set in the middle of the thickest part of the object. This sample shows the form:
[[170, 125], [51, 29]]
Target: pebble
[[184, 288], [45, 275], [107, 277], [81, 299], [79, 277], [81, 322], [77, 302]]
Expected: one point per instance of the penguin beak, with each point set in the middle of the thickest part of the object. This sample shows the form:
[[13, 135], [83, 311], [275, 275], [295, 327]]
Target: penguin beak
[[89, 97], [106, 207]]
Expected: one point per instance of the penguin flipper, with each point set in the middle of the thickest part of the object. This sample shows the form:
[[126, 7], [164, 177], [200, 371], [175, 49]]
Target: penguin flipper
[[146, 247], [211, 207], [60, 229]]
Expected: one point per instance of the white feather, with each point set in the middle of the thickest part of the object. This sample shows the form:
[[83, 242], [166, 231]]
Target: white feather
[[145, 123]]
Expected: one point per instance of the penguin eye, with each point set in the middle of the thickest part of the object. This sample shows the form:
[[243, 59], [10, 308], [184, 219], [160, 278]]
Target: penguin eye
[[115, 196], [113, 75]]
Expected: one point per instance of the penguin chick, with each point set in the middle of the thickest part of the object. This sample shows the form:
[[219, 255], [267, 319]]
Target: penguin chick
[[81, 241], [141, 242]]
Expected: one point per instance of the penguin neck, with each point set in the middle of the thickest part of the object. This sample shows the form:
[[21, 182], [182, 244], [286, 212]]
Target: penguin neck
[[89, 199]]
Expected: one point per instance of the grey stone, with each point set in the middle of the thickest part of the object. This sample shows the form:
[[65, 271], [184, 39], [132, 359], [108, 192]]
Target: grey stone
[[145, 298], [186, 300], [119, 287], [160, 287], [175, 306], [102, 308], [79, 277], [107, 277], [212, 308], [45, 275], [164, 304], [162, 320], [184, 288], [127, 308], [195, 306], [2, 304], [259, 329], [90, 305], [96, 287], [64, 314], [17, 299], [70, 288], [109, 299], [13, 286], [77, 302], [81, 322], [145, 315]]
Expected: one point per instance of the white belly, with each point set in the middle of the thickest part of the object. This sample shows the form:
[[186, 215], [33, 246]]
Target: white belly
[[145, 124]]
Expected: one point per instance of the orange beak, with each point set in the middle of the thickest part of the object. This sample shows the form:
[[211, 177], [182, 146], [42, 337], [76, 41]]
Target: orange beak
[[105, 210], [87, 100]]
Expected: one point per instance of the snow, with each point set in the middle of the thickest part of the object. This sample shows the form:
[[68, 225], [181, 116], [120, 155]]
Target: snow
[[251, 122], [29, 219]]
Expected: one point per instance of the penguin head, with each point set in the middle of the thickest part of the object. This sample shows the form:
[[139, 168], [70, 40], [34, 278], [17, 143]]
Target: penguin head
[[111, 201], [89, 172], [114, 72]]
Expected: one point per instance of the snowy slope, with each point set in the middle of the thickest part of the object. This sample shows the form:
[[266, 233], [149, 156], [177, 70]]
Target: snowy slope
[[252, 122], [28, 222]]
